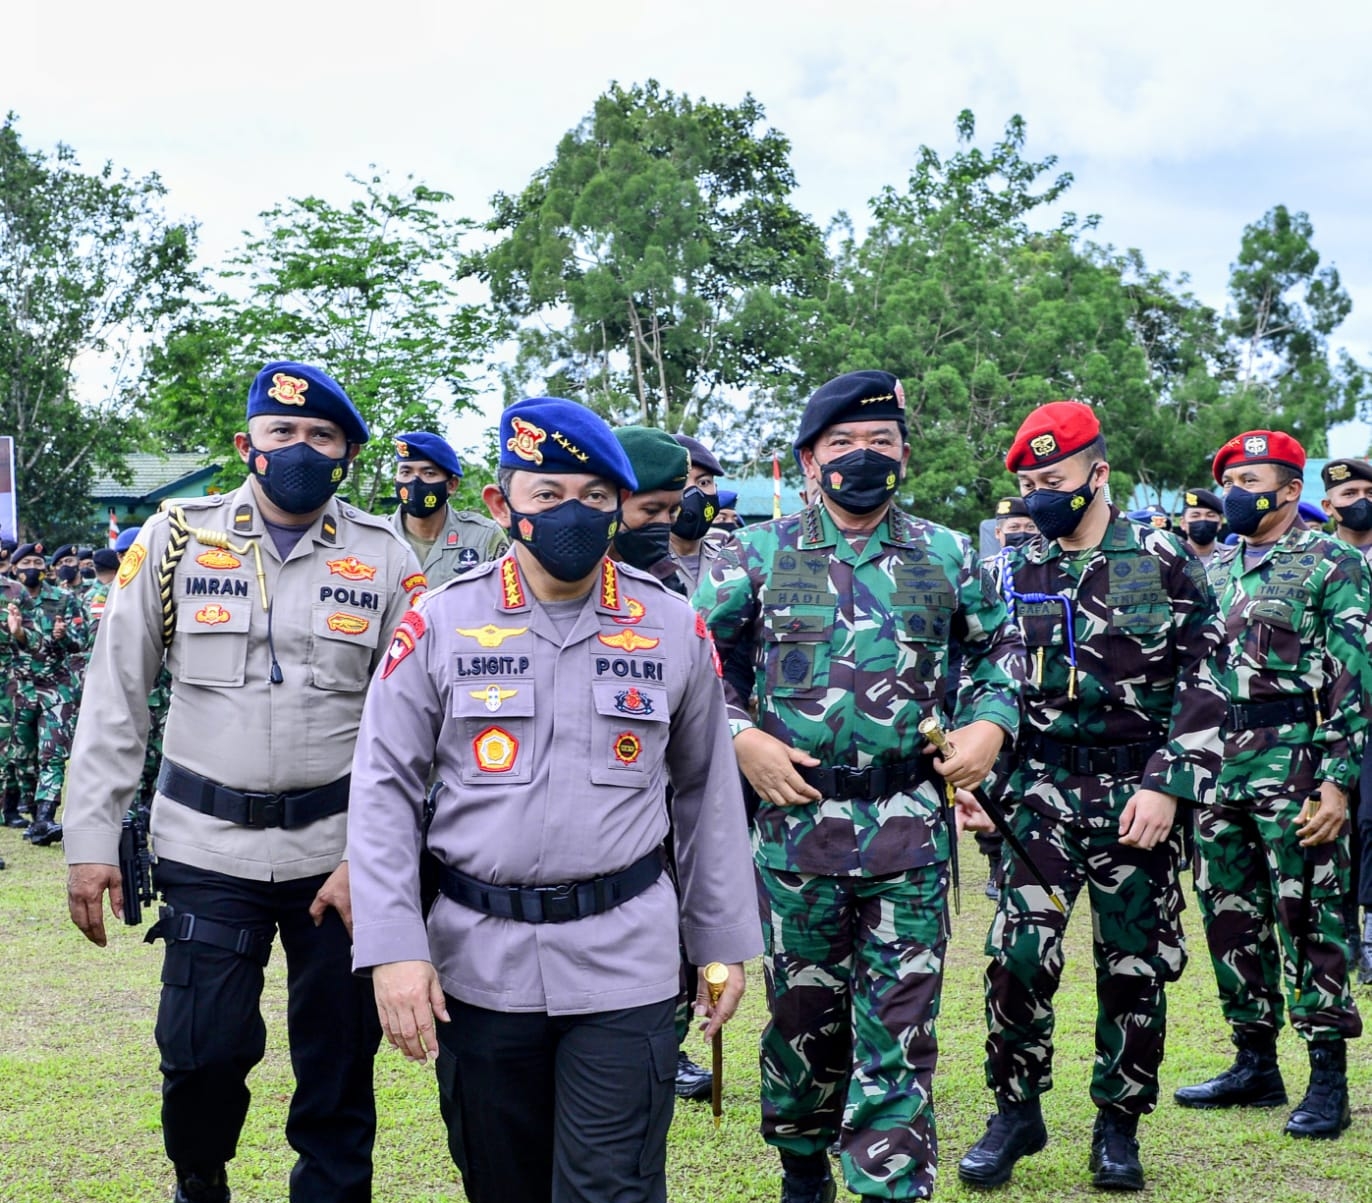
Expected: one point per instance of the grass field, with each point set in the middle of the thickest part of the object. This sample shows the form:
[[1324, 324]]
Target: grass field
[[79, 1087]]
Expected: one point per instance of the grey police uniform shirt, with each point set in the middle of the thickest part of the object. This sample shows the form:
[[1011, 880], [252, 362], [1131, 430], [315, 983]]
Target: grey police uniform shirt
[[335, 601], [693, 567], [554, 756], [467, 539]]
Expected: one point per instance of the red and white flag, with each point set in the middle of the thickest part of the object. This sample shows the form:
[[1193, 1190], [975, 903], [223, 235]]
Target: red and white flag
[[114, 527], [776, 484]]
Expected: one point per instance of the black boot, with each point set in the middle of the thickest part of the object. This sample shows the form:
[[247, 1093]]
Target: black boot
[[692, 1081], [1016, 1130], [44, 830], [1115, 1163], [1324, 1110], [1254, 1080], [1364, 948], [806, 1179], [12, 817], [201, 1185]]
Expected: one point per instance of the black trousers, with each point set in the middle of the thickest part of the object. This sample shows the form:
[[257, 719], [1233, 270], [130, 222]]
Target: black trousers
[[210, 1033], [559, 1109]]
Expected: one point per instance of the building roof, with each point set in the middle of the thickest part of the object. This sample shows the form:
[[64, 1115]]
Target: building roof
[[154, 475]]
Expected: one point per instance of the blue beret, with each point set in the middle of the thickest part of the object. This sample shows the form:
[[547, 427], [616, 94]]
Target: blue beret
[[1312, 512], [300, 391], [67, 549], [548, 434], [701, 456], [727, 500], [420, 444], [127, 538], [853, 397]]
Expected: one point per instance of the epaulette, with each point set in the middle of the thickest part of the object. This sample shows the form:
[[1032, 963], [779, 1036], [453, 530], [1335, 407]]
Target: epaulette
[[474, 573], [207, 502], [362, 518], [638, 574]]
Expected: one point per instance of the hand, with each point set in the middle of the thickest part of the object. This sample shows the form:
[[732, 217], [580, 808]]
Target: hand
[[769, 766], [969, 814], [972, 752], [334, 893], [408, 999], [86, 886], [14, 619], [59, 628], [720, 1014], [1322, 821], [1147, 819]]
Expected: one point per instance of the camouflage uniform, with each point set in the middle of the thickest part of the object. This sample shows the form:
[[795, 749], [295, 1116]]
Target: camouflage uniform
[[849, 650], [1142, 712], [56, 667], [1297, 624], [18, 772]]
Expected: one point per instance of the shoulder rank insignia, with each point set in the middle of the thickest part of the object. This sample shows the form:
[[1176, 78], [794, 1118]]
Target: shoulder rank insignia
[[491, 635]]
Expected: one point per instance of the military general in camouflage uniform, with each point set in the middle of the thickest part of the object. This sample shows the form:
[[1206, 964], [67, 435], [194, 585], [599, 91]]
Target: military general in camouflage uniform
[[1120, 720], [845, 612], [1295, 604]]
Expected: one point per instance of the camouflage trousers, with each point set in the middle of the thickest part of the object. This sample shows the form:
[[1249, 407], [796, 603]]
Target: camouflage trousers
[[854, 967], [1249, 886], [56, 726], [22, 750], [1136, 907]]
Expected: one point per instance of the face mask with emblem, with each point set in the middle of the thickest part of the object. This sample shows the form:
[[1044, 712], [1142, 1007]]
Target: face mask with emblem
[[644, 546], [1356, 517], [297, 478], [1202, 534], [1244, 511], [29, 576], [861, 481], [420, 498], [569, 540], [1059, 512], [698, 510]]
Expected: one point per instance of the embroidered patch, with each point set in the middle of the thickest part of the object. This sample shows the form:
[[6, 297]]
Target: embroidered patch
[[701, 629], [416, 580], [1255, 444], [452, 538], [1339, 472], [511, 587], [633, 612], [347, 624], [627, 747], [493, 696], [351, 569], [632, 702], [795, 666], [629, 641], [402, 449], [289, 390], [495, 750], [525, 440], [407, 635], [467, 556], [491, 635], [212, 615], [217, 557], [609, 585], [131, 563]]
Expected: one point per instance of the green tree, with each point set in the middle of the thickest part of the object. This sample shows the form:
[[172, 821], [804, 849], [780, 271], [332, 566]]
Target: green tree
[[661, 255], [1285, 308], [368, 290], [90, 265]]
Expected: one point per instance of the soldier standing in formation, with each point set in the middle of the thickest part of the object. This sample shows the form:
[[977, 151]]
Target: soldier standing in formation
[[273, 605], [844, 614], [699, 509], [1296, 675], [1120, 719], [555, 696], [1201, 518]]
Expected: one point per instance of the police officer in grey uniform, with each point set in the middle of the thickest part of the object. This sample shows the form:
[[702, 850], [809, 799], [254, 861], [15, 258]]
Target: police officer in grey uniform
[[699, 508], [445, 541], [274, 603], [555, 695]]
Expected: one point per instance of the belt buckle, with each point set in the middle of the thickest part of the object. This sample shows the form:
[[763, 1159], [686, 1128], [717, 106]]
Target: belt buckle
[[558, 902], [857, 783], [266, 810]]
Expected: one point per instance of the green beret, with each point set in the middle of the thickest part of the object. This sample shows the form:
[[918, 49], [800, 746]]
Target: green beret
[[658, 460]]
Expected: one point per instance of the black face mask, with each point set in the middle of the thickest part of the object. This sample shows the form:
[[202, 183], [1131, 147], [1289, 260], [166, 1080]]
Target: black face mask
[[698, 510], [569, 540], [1057, 513], [420, 498], [297, 478], [1018, 538], [861, 481], [645, 546], [88, 574], [1356, 517], [1202, 534], [30, 576], [66, 573], [1244, 511]]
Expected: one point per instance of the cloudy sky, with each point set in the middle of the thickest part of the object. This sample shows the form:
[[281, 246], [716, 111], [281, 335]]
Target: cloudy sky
[[1181, 122]]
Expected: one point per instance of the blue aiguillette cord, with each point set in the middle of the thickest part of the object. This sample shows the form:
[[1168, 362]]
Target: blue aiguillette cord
[[1012, 595]]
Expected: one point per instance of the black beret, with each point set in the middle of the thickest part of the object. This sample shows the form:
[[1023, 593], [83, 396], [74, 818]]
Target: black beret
[[1011, 507], [1203, 499], [26, 549], [701, 456], [868, 396], [1340, 471], [67, 549], [106, 558], [8, 544]]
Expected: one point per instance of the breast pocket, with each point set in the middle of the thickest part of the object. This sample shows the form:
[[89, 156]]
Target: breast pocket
[[1272, 639], [628, 733], [796, 648], [497, 723], [1146, 627], [922, 639], [342, 642], [212, 641]]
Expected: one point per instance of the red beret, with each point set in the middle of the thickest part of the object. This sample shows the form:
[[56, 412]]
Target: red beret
[[1052, 433], [1260, 447]]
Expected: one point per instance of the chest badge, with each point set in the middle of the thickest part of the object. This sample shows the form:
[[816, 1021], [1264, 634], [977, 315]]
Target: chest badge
[[496, 750], [212, 615], [491, 635], [217, 557], [631, 701], [627, 747], [493, 695], [629, 641]]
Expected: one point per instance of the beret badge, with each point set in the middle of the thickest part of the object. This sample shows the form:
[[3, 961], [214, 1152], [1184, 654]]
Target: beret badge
[[1043, 446], [1339, 472], [1255, 444], [525, 440], [289, 390]]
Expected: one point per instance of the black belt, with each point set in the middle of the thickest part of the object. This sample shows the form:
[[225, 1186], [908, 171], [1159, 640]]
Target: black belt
[[842, 782], [1084, 760], [297, 808], [552, 904], [173, 925], [1246, 716]]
